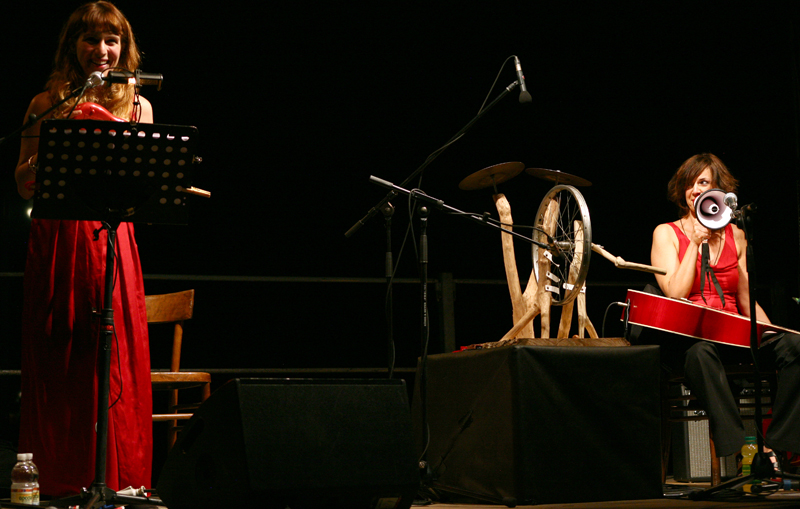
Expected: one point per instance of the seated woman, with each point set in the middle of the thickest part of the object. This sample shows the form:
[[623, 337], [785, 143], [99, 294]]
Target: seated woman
[[677, 247]]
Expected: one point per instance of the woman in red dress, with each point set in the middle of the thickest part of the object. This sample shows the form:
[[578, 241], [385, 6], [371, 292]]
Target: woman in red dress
[[64, 286], [677, 248]]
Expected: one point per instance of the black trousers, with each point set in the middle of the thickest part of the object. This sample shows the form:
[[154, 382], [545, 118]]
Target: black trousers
[[705, 377]]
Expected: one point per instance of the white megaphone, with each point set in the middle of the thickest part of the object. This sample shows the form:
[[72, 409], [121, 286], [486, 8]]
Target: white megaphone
[[715, 208]]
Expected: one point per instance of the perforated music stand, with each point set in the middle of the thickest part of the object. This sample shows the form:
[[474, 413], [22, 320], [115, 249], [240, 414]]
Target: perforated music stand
[[112, 172], [98, 170]]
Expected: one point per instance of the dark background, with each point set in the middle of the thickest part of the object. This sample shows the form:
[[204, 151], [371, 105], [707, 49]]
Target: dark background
[[297, 105]]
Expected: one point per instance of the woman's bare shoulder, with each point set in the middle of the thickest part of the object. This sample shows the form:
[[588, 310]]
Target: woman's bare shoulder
[[664, 229], [40, 103]]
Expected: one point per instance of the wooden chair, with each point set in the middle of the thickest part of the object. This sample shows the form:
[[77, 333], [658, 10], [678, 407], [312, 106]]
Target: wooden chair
[[686, 409], [175, 308]]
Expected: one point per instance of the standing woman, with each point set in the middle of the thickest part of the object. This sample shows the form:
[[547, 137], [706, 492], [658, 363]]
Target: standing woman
[[64, 286], [677, 248]]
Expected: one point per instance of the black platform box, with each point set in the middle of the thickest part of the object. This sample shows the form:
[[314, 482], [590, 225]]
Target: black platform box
[[544, 425]]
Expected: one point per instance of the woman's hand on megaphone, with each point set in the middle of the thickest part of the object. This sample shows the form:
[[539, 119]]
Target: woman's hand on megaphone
[[699, 233]]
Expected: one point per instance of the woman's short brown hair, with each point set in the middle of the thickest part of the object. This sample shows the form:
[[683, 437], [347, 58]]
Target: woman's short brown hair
[[688, 172]]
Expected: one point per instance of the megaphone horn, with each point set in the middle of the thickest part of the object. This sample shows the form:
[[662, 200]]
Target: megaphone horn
[[712, 210]]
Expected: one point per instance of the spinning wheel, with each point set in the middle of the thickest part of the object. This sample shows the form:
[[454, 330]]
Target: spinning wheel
[[564, 217]]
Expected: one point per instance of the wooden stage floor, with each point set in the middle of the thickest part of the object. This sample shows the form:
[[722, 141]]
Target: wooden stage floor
[[676, 498], [643, 504], [782, 499]]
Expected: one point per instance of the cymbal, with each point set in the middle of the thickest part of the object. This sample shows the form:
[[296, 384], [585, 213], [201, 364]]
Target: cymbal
[[491, 176], [559, 177]]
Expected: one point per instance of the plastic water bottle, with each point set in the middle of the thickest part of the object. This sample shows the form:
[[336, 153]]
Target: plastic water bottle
[[748, 452], [25, 481]]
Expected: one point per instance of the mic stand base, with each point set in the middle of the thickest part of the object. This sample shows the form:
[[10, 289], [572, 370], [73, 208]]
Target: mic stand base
[[762, 468], [101, 496]]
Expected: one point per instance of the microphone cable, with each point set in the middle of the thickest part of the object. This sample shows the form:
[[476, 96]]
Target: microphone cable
[[625, 305]]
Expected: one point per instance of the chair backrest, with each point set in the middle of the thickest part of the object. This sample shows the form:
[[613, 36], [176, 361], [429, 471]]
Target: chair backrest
[[171, 308]]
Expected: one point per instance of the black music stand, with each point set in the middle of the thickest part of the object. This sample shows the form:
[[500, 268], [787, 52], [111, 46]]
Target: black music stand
[[97, 171], [112, 172]]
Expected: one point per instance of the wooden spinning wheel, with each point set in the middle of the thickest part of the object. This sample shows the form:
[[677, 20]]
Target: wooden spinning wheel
[[559, 271]]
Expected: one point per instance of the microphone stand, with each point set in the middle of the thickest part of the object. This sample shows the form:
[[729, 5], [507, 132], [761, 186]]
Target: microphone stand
[[388, 212], [426, 473], [382, 207], [33, 118], [483, 219], [762, 467], [374, 210], [387, 209]]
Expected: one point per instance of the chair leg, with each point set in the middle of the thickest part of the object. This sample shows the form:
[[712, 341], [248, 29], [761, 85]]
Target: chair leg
[[172, 434], [716, 477], [666, 435]]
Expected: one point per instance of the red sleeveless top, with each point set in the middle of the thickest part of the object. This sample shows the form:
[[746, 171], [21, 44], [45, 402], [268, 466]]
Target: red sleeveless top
[[726, 270]]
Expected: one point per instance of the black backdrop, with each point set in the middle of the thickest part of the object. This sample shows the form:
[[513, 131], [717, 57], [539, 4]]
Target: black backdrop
[[297, 104]]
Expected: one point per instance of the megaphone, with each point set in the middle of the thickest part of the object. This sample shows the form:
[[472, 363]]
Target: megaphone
[[715, 208]]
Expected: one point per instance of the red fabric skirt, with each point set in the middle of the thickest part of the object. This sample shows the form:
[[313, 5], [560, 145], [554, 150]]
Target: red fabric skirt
[[64, 284]]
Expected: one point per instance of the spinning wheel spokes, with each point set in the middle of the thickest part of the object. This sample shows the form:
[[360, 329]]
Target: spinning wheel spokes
[[571, 230]]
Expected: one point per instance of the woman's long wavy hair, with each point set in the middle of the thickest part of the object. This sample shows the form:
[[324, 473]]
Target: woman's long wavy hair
[[68, 75], [688, 172]]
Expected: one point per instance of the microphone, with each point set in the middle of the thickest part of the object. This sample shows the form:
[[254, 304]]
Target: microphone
[[731, 201], [149, 79], [524, 95], [94, 80]]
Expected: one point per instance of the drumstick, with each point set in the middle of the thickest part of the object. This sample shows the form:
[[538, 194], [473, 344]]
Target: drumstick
[[618, 261], [197, 192]]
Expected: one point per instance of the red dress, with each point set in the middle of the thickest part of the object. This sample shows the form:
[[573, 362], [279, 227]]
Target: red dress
[[64, 283], [726, 271]]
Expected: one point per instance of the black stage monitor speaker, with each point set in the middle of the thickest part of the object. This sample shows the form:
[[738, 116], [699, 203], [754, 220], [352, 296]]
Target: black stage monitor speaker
[[299, 443], [544, 425]]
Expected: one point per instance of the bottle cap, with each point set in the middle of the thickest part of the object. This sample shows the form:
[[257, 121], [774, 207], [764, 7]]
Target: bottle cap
[[22, 456], [749, 440], [29, 456]]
